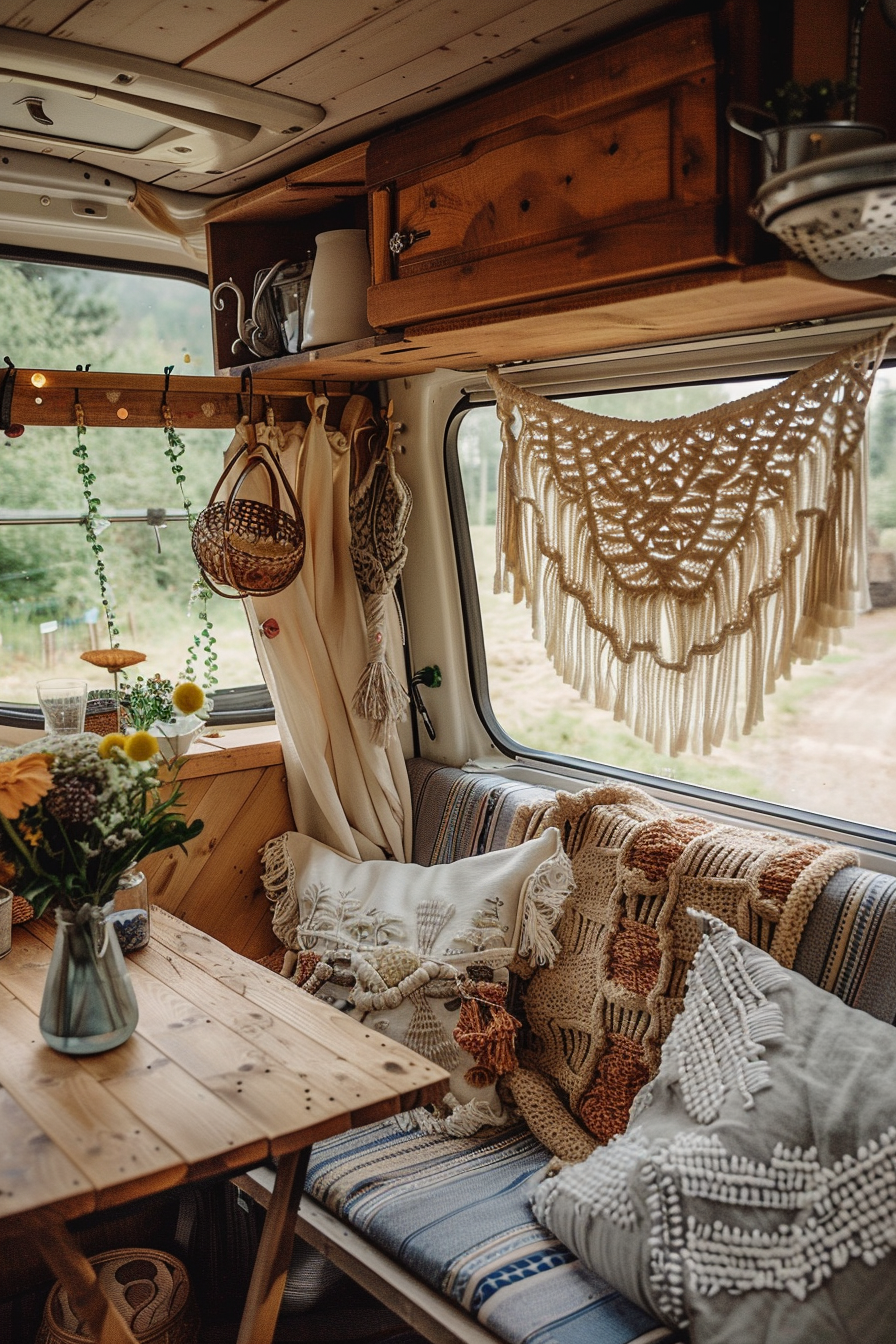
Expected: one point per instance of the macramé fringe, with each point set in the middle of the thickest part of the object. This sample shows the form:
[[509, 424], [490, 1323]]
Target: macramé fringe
[[676, 569]]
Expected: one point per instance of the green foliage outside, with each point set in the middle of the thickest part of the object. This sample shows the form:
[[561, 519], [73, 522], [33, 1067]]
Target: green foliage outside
[[56, 317]]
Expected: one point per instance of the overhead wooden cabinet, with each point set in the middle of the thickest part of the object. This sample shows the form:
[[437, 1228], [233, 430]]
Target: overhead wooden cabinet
[[607, 169]]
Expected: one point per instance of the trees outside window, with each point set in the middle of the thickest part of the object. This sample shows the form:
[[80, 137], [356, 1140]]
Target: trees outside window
[[50, 602]]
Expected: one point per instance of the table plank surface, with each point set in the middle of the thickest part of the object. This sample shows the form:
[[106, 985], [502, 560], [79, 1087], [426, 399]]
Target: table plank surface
[[229, 1064], [196, 1123], [34, 1173], [369, 1053]]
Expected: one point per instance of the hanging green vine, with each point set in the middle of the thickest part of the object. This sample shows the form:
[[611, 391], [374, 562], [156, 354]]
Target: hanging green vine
[[93, 516], [203, 643]]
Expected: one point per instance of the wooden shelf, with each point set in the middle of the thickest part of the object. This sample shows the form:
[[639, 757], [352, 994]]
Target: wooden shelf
[[685, 307], [308, 190]]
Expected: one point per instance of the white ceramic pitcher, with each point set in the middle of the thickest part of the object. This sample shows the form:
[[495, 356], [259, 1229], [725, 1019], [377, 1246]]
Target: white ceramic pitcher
[[336, 308]]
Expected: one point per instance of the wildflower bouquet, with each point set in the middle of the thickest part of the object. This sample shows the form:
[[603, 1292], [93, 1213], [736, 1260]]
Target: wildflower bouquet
[[76, 811]]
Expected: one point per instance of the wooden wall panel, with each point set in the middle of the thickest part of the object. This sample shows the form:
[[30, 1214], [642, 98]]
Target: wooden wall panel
[[216, 885]]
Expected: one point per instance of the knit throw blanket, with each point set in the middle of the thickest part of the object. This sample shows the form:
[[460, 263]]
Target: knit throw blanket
[[597, 1018], [676, 569]]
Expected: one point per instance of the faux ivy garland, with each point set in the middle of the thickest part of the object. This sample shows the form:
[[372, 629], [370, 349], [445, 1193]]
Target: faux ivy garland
[[201, 592], [88, 480], [174, 451]]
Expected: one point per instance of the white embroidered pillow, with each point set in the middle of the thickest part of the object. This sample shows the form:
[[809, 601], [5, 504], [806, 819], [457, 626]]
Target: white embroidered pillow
[[753, 1195], [409, 934]]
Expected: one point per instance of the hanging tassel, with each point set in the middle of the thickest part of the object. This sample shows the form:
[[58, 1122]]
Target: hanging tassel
[[380, 697], [487, 1031]]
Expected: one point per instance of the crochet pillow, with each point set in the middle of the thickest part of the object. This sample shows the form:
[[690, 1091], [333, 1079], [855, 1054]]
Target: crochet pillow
[[420, 953], [753, 1195]]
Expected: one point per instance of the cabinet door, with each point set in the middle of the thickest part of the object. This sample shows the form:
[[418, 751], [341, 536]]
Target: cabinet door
[[602, 171]]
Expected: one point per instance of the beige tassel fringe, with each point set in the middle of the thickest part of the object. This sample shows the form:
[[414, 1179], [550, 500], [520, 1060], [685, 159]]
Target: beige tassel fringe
[[676, 569]]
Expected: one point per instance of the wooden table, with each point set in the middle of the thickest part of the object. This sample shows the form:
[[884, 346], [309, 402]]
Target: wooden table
[[229, 1065]]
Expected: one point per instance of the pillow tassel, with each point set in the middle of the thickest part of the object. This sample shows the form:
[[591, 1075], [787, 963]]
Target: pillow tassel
[[544, 898], [487, 1031]]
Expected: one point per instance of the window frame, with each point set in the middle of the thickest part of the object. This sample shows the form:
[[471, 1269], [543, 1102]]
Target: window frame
[[872, 840]]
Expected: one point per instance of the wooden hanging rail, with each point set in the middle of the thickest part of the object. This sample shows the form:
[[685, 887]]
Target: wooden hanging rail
[[135, 399]]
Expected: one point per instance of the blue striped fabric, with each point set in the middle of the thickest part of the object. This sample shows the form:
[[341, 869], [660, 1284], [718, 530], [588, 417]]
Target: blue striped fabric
[[455, 1212], [459, 813], [849, 943]]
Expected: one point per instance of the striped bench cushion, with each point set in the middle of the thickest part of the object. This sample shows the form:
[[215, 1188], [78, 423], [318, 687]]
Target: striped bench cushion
[[455, 1212], [849, 943], [459, 813]]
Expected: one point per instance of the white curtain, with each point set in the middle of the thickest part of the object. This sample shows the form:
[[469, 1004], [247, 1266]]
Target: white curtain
[[345, 791]]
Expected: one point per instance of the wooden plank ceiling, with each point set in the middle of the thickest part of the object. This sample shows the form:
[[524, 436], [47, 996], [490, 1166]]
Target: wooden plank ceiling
[[369, 65]]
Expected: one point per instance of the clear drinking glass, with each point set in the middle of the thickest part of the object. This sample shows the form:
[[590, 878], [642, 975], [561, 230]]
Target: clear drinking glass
[[64, 703]]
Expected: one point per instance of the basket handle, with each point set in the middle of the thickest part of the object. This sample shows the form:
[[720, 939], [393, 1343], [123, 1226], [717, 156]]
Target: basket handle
[[254, 460], [224, 474]]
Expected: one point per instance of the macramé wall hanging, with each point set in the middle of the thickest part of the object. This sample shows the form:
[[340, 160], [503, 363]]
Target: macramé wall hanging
[[676, 569]]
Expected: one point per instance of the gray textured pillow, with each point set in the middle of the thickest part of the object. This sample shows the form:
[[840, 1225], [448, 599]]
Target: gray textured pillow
[[753, 1195]]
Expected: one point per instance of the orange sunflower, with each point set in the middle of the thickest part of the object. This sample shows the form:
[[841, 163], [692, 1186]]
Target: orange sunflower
[[23, 782]]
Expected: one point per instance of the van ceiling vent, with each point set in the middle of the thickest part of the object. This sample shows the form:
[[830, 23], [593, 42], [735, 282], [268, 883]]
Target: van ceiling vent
[[135, 108]]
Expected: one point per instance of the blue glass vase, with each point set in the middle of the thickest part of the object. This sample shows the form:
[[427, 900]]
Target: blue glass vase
[[88, 1004]]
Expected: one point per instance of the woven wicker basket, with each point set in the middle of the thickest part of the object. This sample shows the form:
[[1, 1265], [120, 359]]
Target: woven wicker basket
[[151, 1291], [245, 544]]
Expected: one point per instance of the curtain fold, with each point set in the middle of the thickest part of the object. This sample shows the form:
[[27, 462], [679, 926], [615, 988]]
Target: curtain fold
[[345, 790]]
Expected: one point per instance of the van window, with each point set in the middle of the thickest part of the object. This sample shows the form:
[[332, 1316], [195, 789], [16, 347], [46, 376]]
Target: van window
[[828, 743], [50, 600]]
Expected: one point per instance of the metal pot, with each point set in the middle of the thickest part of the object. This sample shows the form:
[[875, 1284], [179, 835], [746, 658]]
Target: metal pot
[[786, 147]]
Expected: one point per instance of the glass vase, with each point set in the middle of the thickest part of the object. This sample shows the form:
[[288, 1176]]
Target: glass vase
[[88, 1004]]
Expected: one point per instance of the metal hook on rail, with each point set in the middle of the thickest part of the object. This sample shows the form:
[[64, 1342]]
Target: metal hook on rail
[[166, 409], [12, 431]]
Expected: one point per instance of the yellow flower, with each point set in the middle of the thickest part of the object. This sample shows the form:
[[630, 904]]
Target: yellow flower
[[23, 782], [141, 746], [109, 741], [187, 697], [32, 838]]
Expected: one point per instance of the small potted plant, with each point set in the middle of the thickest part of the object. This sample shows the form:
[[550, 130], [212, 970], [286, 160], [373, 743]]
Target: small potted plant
[[801, 128], [174, 714]]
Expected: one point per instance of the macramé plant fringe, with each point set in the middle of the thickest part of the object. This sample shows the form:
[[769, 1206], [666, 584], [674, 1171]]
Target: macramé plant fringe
[[677, 569]]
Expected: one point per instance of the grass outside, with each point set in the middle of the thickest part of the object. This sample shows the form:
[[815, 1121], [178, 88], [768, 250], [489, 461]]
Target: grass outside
[[828, 743]]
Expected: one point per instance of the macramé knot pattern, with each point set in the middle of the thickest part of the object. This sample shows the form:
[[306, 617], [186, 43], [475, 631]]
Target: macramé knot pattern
[[675, 569]]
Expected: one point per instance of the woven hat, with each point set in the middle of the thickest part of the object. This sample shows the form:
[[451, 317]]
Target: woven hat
[[149, 1289]]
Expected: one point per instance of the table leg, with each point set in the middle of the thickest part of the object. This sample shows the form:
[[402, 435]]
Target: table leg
[[274, 1251], [78, 1277]]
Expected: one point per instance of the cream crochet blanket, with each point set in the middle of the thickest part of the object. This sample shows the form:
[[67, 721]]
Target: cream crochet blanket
[[676, 569]]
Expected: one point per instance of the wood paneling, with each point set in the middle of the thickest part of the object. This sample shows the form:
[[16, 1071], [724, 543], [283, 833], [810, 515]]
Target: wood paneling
[[240, 793], [605, 170]]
